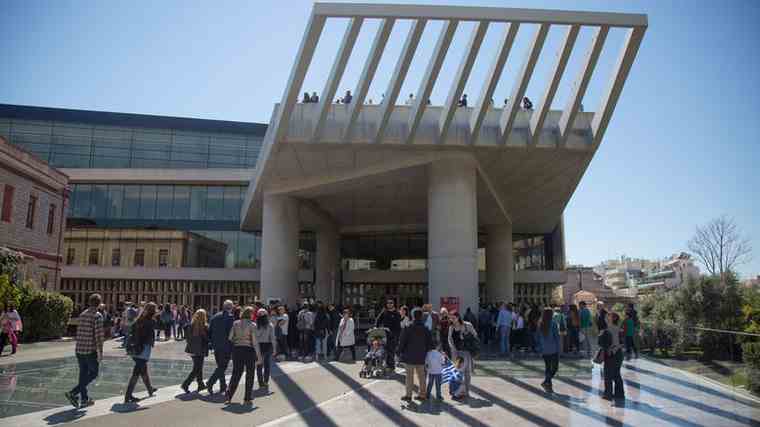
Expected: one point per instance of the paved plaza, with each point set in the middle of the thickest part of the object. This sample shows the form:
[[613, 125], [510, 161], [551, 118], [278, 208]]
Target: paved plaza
[[332, 394]]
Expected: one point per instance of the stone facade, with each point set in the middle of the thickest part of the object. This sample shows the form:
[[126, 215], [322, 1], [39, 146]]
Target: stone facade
[[33, 203]]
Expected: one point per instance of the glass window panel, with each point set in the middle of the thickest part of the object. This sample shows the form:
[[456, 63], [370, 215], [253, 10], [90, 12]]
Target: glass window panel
[[181, 164], [116, 197], [83, 193], [100, 202], [232, 203], [72, 149], [148, 201], [181, 206], [156, 136], [31, 126], [23, 137], [72, 129], [111, 133], [247, 252], [101, 150], [215, 203], [190, 143], [164, 197], [110, 162], [131, 209], [198, 202], [230, 238], [190, 157], [149, 163]]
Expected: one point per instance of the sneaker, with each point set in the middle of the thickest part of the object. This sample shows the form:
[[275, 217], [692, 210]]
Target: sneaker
[[130, 399], [74, 400], [407, 398], [88, 402], [152, 391]]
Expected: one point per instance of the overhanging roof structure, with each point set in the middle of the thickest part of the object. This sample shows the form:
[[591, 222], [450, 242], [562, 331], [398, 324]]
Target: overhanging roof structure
[[363, 166]]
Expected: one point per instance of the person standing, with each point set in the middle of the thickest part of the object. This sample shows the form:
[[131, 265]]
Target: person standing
[[458, 335], [484, 323], [321, 323], [282, 324], [16, 324], [267, 346], [390, 319], [431, 319], [219, 338], [332, 328], [434, 366], [549, 343], [504, 326], [585, 322], [610, 343], [89, 351], [7, 333], [245, 352], [142, 337], [443, 331], [414, 345], [629, 330], [305, 324], [197, 347], [346, 337], [166, 321], [601, 317]]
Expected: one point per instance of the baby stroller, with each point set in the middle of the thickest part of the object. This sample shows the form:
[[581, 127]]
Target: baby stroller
[[374, 361]]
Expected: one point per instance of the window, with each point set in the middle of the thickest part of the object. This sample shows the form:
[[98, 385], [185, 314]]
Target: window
[[71, 254], [51, 219], [7, 203], [139, 257], [94, 258], [31, 211], [115, 257], [163, 257]]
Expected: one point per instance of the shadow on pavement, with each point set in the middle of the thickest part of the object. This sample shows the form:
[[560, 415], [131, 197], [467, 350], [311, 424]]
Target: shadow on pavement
[[66, 416], [239, 409], [300, 400]]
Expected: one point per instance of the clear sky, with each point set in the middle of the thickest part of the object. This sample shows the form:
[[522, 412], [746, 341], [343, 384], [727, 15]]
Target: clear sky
[[682, 148]]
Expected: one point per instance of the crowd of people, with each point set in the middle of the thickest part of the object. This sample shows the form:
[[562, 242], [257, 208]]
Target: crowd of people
[[435, 346]]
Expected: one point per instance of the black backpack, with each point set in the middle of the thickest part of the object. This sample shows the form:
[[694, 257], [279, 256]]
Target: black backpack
[[133, 342]]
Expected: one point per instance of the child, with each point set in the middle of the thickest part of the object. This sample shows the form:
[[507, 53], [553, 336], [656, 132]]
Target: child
[[456, 379], [375, 354], [434, 366]]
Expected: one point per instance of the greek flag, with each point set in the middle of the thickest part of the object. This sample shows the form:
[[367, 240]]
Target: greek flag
[[448, 372]]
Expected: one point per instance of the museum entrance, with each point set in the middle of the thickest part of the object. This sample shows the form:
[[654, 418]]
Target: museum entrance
[[368, 299]]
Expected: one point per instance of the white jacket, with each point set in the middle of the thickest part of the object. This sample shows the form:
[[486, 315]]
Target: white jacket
[[346, 336]]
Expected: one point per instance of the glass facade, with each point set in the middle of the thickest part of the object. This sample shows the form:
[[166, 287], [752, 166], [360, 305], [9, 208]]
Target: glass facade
[[65, 144], [137, 220]]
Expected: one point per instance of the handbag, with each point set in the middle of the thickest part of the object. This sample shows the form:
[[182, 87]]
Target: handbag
[[600, 357]]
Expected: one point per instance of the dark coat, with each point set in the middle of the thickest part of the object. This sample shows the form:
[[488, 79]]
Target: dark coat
[[197, 343], [390, 320], [334, 320], [146, 333], [219, 332], [416, 341]]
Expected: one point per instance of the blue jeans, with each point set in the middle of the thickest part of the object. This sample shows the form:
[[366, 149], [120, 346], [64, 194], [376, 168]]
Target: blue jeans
[[437, 379], [504, 332], [88, 371], [320, 344]]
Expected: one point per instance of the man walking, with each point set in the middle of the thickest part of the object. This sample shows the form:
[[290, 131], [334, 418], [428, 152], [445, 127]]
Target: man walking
[[585, 315], [219, 338], [504, 326], [415, 342], [89, 351]]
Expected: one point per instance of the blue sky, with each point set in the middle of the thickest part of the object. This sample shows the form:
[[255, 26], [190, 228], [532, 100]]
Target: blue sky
[[682, 148]]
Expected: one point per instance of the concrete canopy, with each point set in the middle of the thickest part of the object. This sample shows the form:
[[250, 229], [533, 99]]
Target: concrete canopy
[[365, 167]]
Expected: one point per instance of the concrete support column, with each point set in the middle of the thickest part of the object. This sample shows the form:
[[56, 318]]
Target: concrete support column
[[500, 276], [279, 249], [328, 262], [452, 231]]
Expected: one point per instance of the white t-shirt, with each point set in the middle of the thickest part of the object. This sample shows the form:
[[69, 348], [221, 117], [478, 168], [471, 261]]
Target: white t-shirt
[[434, 362], [520, 323]]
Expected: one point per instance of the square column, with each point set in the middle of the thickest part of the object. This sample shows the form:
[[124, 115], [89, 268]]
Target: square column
[[328, 241], [500, 276], [452, 231], [279, 249]]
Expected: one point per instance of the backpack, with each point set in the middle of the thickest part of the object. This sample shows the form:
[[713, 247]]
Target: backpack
[[471, 343], [133, 343], [301, 323]]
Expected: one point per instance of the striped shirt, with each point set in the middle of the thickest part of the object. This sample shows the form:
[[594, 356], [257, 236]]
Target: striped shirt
[[450, 373], [90, 332]]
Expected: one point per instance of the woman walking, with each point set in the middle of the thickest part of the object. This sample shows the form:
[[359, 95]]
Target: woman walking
[[443, 331], [346, 337], [458, 335], [142, 337], [197, 346], [610, 343], [267, 340], [245, 352], [549, 342], [573, 329]]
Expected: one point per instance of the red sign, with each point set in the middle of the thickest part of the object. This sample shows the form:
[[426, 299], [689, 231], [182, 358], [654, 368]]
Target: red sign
[[450, 303]]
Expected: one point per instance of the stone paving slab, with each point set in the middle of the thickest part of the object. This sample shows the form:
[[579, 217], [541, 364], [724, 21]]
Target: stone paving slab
[[332, 394]]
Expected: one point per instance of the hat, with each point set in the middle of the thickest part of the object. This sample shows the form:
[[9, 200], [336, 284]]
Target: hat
[[261, 312]]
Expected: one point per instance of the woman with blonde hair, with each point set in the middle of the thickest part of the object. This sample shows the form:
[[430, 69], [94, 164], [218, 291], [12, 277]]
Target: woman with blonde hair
[[197, 347], [245, 352]]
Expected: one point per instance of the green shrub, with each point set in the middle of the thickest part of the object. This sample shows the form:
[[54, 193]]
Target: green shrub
[[751, 354], [45, 314]]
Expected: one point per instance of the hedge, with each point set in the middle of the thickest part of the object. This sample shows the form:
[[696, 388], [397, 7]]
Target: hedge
[[751, 354], [45, 315]]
